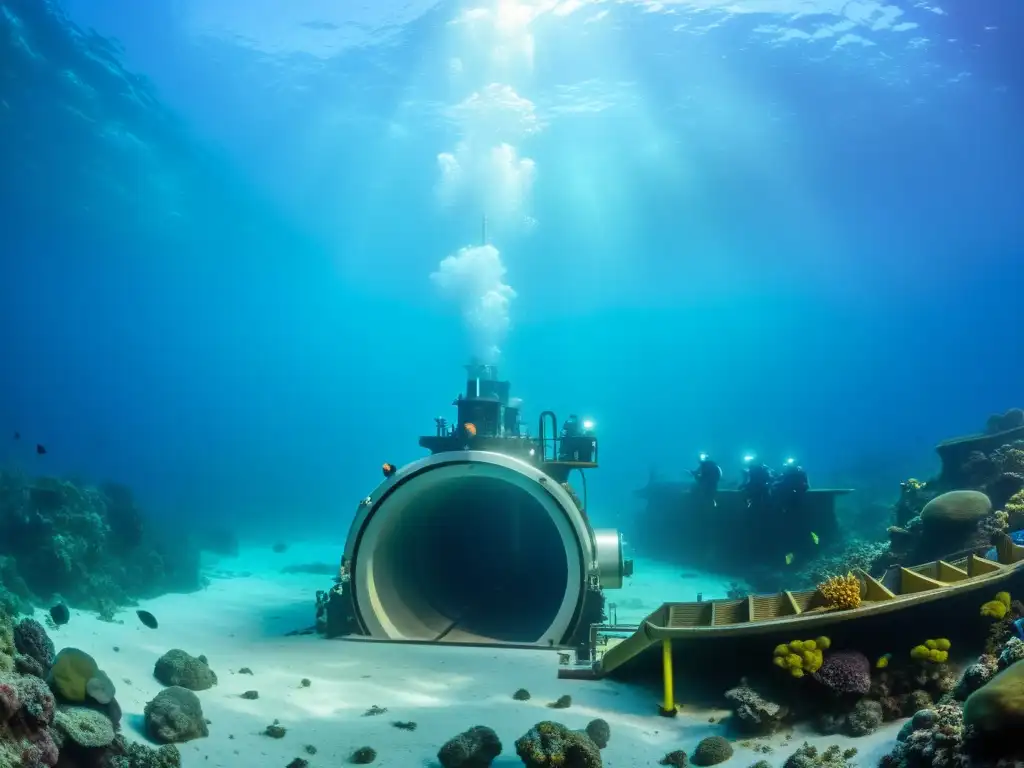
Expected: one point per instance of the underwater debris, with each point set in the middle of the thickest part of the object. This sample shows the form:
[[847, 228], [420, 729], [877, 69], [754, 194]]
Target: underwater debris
[[521, 695], [298, 762], [245, 671], [562, 702], [404, 725], [250, 695], [309, 749], [374, 711], [305, 682]]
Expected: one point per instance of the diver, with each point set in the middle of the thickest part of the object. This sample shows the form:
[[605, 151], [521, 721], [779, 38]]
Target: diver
[[757, 483], [388, 469], [706, 478], [707, 475], [571, 427], [791, 481]]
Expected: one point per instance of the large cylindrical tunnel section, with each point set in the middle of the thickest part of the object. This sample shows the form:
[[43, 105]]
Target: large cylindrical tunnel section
[[472, 547]]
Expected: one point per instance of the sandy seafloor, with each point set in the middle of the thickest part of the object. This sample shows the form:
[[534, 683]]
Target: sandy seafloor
[[242, 617]]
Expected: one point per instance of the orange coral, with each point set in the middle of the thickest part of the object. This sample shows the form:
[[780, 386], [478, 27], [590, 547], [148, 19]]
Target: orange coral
[[841, 592]]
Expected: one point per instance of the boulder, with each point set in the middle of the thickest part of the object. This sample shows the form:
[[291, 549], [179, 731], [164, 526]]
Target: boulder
[[997, 708], [956, 508]]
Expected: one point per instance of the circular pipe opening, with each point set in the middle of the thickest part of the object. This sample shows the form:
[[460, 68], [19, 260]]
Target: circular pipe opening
[[469, 552]]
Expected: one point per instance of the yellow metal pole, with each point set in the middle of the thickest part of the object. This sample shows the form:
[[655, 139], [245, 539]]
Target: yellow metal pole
[[668, 706]]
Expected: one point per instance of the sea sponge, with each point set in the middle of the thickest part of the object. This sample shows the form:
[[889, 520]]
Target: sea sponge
[[1003, 597], [841, 592], [932, 651], [823, 643], [798, 657], [71, 672], [994, 609]]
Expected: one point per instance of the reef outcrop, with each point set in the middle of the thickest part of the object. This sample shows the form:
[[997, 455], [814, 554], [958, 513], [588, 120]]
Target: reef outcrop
[[90, 546]]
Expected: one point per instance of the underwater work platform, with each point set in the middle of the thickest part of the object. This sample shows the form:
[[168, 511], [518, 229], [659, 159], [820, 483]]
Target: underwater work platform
[[484, 542], [712, 640]]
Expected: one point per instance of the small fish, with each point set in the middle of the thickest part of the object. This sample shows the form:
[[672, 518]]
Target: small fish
[[1018, 627], [60, 614], [40, 449], [147, 618], [814, 537], [388, 469], [883, 661], [789, 558]]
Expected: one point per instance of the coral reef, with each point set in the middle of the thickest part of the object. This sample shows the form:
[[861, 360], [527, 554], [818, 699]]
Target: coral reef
[[174, 716], [807, 756], [982, 731], [89, 545], [711, 751], [74, 724], [476, 747], [178, 668], [753, 713], [549, 743]]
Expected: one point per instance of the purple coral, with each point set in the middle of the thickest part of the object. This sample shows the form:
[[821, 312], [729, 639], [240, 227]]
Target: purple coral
[[31, 639], [39, 750], [9, 702], [845, 672], [37, 701]]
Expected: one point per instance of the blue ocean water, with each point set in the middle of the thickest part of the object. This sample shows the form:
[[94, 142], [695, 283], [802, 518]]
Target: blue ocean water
[[770, 226]]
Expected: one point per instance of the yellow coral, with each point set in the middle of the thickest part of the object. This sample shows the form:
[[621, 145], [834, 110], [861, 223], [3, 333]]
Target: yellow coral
[[841, 592], [994, 609], [799, 656], [933, 651], [1004, 598], [823, 643]]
